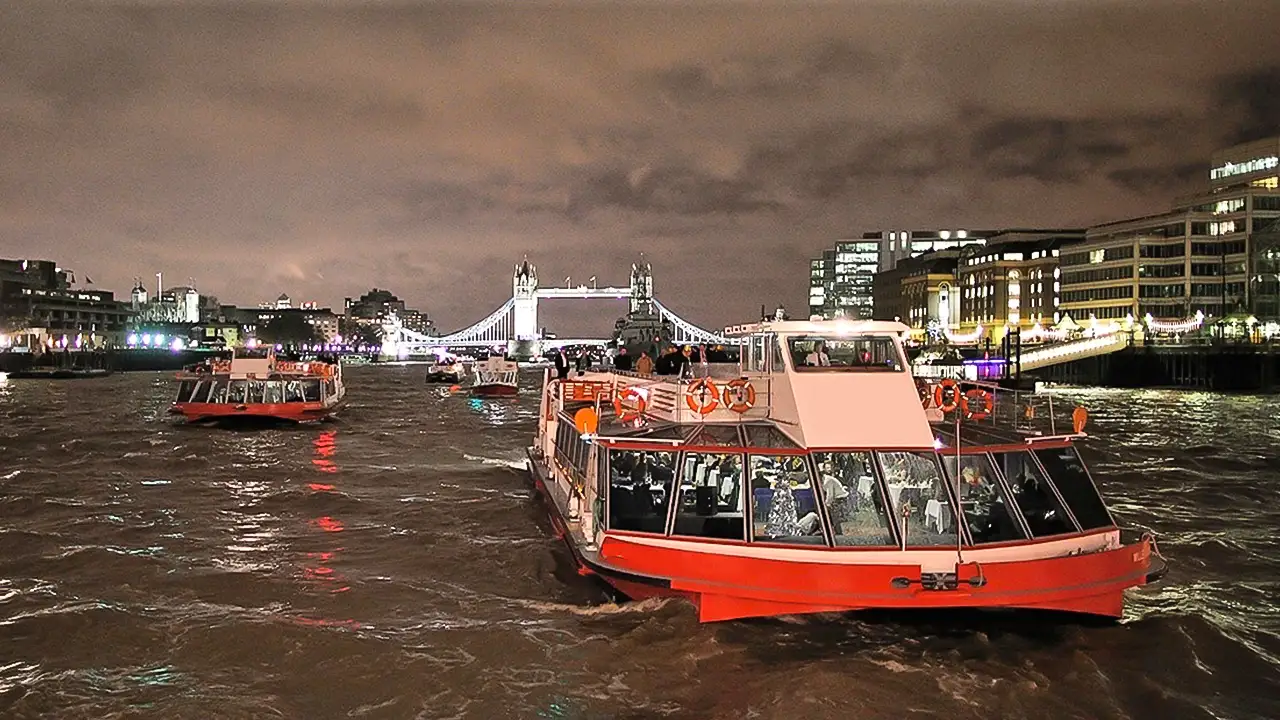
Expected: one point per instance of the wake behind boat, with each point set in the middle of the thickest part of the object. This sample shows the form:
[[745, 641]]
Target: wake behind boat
[[811, 477], [255, 384]]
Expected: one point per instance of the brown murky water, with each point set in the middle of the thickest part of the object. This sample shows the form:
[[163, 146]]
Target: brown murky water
[[395, 564]]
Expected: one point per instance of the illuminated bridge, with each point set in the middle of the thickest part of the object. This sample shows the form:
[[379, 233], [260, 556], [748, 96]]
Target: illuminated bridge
[[515, 324]]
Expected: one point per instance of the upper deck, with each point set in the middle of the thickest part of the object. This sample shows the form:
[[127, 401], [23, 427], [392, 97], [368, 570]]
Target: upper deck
[[822, 385]]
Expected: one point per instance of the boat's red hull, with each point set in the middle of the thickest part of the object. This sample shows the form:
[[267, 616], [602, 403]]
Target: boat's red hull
[[725, 587], [289, 412], [494, 390]]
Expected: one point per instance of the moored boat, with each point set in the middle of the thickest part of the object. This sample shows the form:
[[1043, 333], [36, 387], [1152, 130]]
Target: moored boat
[[815, 476], [495, 376], [257, 385]]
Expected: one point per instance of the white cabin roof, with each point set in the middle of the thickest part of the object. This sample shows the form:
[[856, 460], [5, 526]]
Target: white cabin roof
[[832, 328]]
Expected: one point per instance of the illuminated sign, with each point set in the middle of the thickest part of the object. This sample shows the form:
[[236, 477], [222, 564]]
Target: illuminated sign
[[1254, 165]]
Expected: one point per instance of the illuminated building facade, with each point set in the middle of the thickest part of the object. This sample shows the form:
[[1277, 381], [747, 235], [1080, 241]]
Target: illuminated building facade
[[1216, 252]]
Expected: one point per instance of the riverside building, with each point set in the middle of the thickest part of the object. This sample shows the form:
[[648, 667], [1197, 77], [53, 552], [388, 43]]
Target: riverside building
[[1216, 252]]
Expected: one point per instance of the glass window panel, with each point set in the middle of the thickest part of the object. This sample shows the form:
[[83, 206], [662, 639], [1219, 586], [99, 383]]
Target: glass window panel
[[236, 393], [311, 390], [186, 389], [919, 497], [639, 489], [715, 436], [767, 436], [828, 354], [218, 393], [852, 497], [983, 501], [1067, 472], [255, 393], [783, 506], [293, 391], [274, 391], [711, 495], [1034, 497]]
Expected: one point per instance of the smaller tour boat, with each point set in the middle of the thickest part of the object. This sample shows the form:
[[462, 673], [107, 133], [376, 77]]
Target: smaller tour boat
[[495, 376], [254, 384], [817, 475], [447, 370]]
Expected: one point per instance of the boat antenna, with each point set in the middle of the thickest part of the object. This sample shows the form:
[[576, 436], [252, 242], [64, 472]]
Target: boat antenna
[[957, 512]]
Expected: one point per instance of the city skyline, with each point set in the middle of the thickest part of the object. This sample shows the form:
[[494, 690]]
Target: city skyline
[[321, 151]]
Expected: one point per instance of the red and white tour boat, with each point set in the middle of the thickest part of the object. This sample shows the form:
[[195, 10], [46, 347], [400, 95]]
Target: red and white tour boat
[[254, 384], [495, 376], [815, 475]]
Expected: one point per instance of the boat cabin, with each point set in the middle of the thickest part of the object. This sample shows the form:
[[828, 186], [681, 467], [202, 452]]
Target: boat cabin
[[256, 376], [817, 438]]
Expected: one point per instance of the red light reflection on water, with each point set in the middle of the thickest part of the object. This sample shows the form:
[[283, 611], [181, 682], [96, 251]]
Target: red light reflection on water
[[317, 566], [326, 443]]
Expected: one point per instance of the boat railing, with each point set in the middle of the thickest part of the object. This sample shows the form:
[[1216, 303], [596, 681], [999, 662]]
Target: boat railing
[[1026, 412]]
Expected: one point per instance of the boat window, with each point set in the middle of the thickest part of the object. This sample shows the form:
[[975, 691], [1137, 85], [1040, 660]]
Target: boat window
[[254, 394], [293, 391], [274, 391], [983, 500], [854, 503], [571, 450], [1035, 498], [218, 393], [201, 392], [767, 436], [711, 497], [783, 507], [715, 436], [236, 394], [919, 497], [311, 390], [1067, 473], [862, 354], [639, 489], [186, 389]]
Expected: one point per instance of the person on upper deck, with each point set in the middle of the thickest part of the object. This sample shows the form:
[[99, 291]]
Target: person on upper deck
[[622, 361], [644, 365], [562, 364], [819, 356]]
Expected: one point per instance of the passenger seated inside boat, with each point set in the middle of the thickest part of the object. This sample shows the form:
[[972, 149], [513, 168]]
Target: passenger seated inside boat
[[982, 500], [639, 487], [866, 353]]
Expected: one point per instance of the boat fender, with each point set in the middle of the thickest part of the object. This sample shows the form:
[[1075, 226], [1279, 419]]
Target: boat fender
[[969, 402], [739, 395], [946, 396], [701, 396]]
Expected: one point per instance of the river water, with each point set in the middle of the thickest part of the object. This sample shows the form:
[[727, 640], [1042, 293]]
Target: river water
[[395, 564]]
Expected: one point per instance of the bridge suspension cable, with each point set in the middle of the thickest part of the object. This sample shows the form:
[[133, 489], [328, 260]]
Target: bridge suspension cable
[[688, 333]]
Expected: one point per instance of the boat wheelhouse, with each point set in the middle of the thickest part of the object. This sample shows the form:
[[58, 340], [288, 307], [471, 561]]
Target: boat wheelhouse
[[254, 384], [815, 475], [495, 376], [447, 370]]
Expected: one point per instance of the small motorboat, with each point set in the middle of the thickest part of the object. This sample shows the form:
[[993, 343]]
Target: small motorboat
[[254, 384], [816, 475], [495, 376], [448, 370]]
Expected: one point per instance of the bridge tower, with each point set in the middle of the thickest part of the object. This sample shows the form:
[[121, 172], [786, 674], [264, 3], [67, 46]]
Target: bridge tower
[[642, 288], [524, 311]]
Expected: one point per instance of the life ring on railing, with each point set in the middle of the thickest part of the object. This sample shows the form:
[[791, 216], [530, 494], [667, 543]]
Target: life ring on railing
[[946, 396], [977, 395], [701, 396], [628, 414], [739, 395], [922, 387]]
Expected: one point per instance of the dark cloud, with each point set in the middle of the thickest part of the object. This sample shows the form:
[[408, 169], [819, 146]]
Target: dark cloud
[[323, 148]]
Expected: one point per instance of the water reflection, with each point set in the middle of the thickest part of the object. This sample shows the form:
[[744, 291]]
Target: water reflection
[[318, 568], [497, 411]]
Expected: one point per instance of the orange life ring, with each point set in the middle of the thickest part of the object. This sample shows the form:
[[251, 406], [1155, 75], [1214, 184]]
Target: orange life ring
[[946, 396], [922, 387], [739, 395], [978, 395], [707, 391], [623, 414]]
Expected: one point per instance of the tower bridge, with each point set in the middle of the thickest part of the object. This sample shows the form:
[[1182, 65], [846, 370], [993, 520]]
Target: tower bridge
[[514, 327]]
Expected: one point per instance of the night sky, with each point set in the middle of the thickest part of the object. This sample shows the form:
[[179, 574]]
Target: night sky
[[320, 149]]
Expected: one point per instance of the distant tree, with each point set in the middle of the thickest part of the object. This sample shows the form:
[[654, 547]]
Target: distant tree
[[355, 332], [289, 329]]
